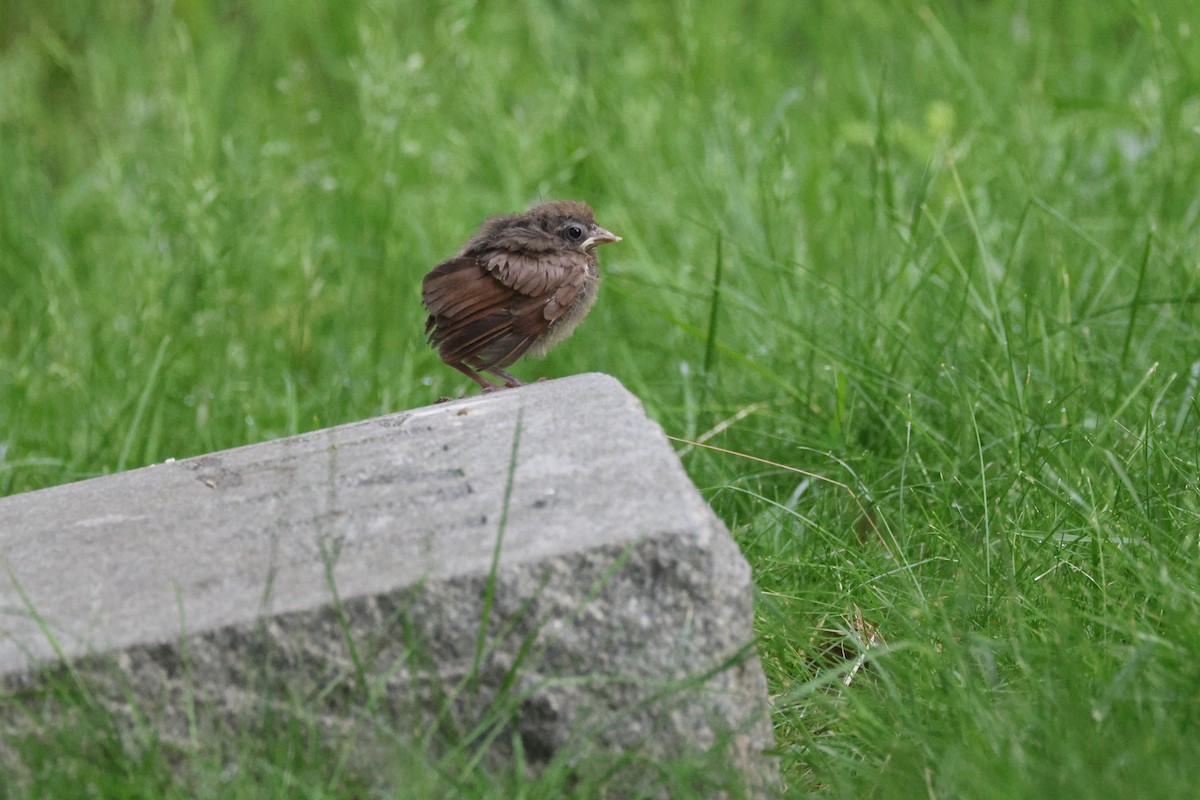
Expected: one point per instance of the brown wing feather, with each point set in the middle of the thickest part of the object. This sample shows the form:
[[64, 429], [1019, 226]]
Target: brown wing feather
[[491, 308]]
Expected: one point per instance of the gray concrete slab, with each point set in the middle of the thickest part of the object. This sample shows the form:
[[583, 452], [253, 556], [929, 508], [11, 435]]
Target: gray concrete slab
[[616, 585]]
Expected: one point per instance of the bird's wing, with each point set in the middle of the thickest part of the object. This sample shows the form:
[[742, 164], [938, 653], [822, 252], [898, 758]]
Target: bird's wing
[[492, 307], [557, 277]]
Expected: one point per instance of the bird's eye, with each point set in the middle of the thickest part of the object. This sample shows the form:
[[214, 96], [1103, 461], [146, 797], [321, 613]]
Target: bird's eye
[[575, 232]]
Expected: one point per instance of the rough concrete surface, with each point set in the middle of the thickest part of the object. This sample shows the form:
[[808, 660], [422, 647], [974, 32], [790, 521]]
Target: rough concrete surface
[[620, 615]]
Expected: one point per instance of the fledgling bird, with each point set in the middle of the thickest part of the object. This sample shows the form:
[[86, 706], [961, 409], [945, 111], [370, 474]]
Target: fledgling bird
[[519, 285]]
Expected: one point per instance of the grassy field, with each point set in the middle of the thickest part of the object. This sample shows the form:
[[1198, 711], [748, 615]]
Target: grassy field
[[938, 263]]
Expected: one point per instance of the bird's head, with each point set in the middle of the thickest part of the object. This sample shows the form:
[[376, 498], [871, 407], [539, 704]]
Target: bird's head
[[573, 224], [565, 224]]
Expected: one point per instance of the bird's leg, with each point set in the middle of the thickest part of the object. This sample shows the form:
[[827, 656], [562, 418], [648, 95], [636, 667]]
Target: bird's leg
[[473, 375], [509, 380]]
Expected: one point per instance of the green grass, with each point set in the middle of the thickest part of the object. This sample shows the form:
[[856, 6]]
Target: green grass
[[959, 258]]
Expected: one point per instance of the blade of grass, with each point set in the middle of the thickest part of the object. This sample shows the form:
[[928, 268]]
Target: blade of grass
[[139, 412], [1136, 304]]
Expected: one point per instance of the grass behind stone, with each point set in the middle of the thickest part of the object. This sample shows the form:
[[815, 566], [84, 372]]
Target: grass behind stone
[[958, 255]]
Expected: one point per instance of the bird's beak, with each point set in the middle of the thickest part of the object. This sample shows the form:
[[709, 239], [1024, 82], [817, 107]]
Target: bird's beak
[[598, 236]]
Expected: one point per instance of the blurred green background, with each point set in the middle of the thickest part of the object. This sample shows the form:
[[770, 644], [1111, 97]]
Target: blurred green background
[[942, 254]]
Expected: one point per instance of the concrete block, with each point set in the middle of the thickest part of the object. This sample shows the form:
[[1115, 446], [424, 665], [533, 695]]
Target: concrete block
[[618, 615]]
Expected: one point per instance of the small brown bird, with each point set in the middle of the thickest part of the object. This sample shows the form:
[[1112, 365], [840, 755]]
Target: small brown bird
[[519, 285]]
